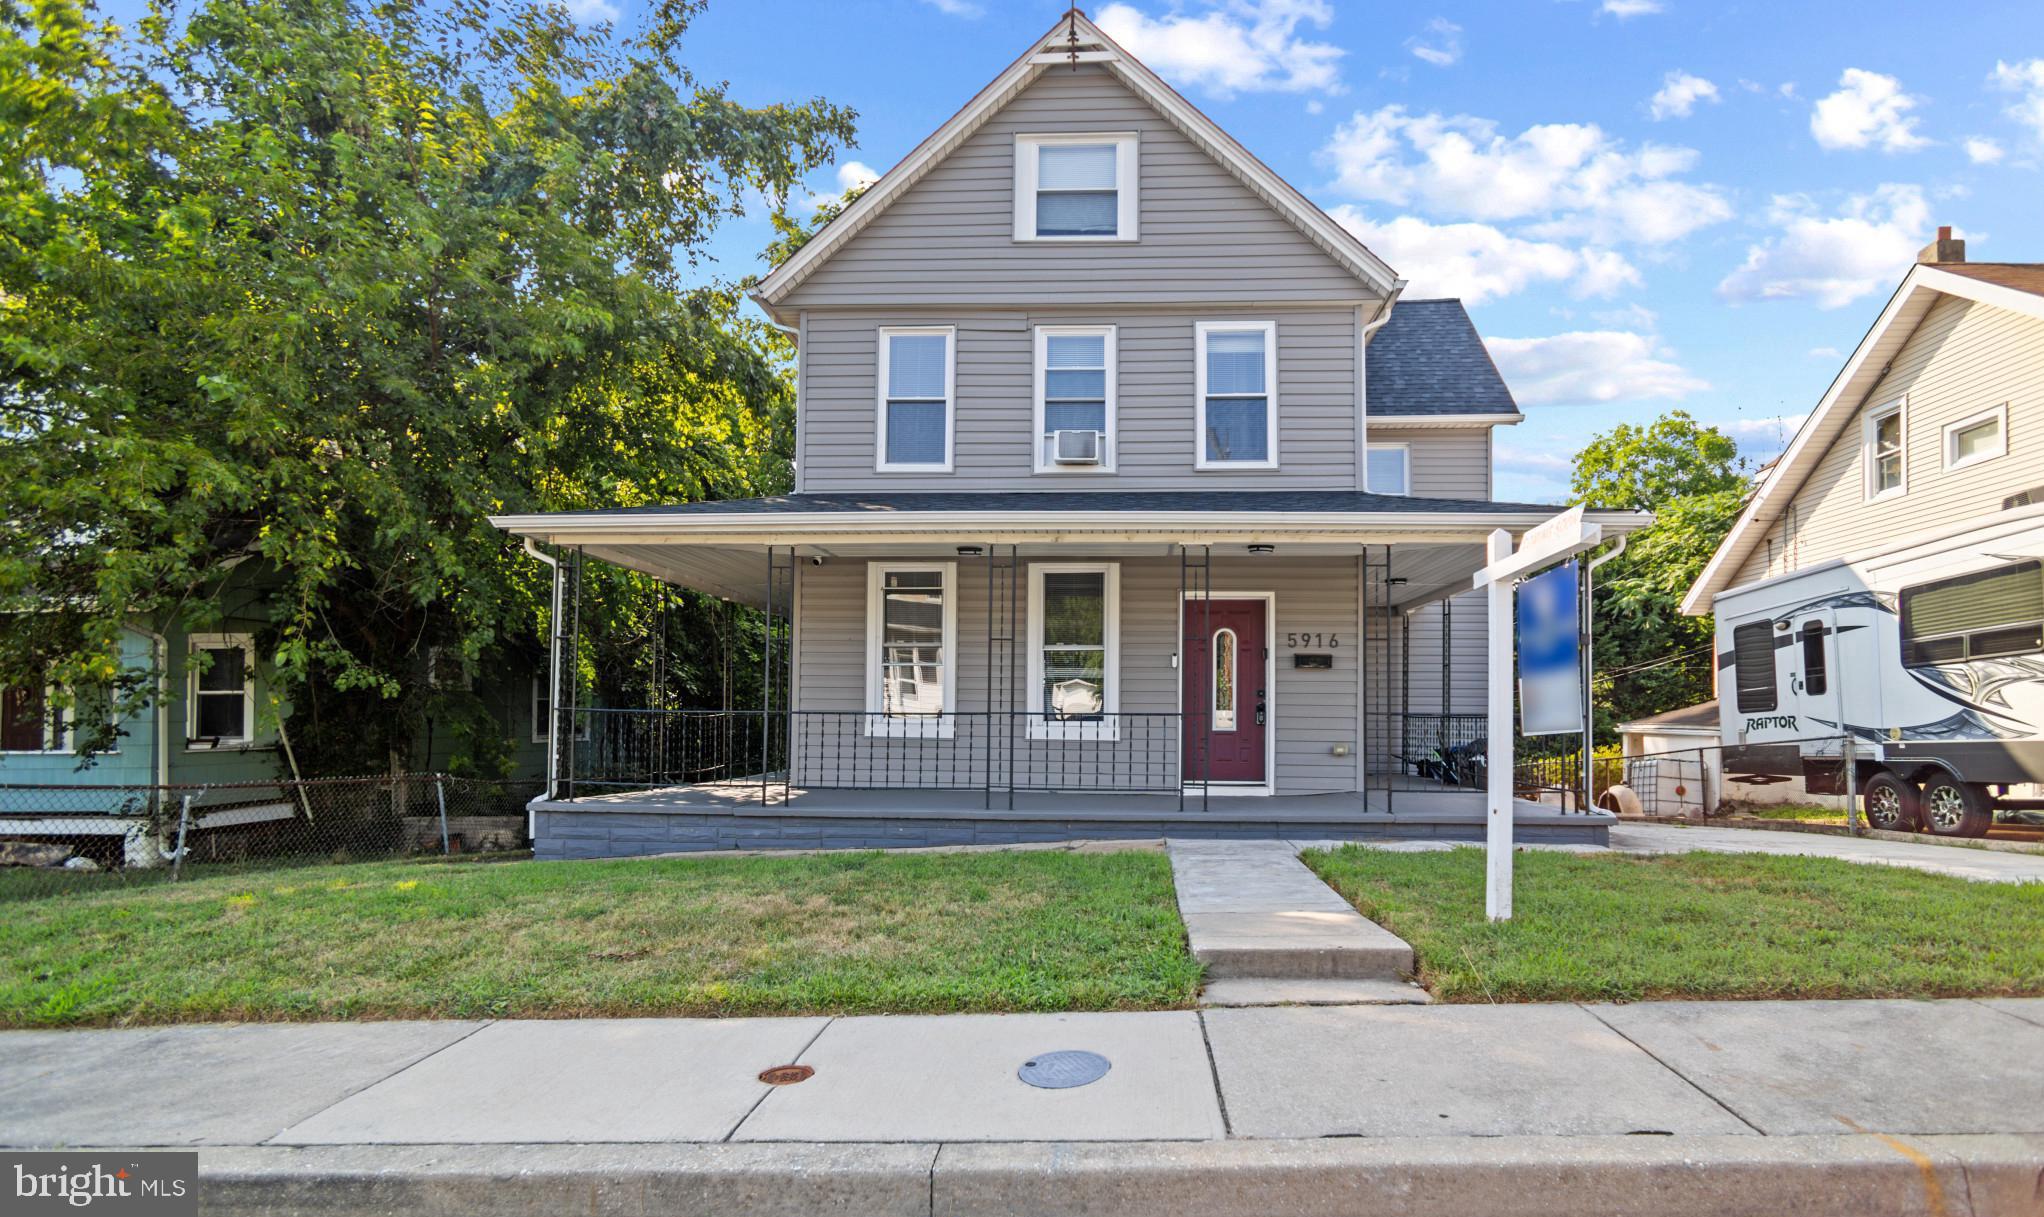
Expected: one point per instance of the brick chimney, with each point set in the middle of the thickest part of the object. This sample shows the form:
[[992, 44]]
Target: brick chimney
[[1944, 249]]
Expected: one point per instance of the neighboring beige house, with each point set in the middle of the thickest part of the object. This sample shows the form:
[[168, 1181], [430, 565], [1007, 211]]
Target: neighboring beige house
[[1885, 583], [1130, 497]]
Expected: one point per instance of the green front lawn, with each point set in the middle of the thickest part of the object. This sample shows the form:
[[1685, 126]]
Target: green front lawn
[[840, 933], [1612, 927]]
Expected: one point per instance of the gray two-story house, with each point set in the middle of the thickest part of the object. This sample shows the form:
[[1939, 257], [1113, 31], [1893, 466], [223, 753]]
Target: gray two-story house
[[1130, 499]]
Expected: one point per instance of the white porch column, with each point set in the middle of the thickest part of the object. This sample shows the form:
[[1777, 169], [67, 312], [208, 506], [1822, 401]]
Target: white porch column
[[1497, 886]]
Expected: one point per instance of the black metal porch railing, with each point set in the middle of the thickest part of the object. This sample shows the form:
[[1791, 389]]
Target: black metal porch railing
[[999, 752]]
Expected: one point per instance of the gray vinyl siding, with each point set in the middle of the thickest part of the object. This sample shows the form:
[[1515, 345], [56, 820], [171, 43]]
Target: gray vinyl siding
[[1204, 236], [1154, 443], [1446, 463], [1964, 358], [1313, 712]]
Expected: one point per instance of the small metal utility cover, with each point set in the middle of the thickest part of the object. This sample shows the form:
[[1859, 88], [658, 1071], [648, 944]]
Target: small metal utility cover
[[1063, 1070]]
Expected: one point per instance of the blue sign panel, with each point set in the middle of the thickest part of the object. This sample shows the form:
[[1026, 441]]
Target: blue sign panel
[[1550, 653]]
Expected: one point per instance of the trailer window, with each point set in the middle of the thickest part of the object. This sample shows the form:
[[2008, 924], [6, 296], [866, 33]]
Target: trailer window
[[1980, 616], [1815, 678], [1753, 656]]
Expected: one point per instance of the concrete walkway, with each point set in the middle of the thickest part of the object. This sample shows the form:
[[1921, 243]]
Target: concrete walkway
[[1978, 864], [1670, 1108], [1271, 932]]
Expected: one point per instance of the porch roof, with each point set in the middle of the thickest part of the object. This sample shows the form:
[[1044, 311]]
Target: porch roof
[[718, 546]]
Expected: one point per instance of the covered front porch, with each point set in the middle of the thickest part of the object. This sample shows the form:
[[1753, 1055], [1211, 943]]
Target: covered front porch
[[926, 675]]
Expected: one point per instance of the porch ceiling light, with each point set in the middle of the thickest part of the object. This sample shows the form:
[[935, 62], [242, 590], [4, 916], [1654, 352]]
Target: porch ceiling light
[[1262, 549]]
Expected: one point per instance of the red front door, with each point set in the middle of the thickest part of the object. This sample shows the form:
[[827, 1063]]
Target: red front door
[[1226, 706]]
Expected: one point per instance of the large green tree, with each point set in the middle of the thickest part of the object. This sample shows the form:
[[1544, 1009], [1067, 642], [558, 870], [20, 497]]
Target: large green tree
[[298, 292], [1650, 657]]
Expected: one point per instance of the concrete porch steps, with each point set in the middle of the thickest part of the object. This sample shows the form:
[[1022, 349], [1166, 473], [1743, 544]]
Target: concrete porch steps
[[1271, 933]]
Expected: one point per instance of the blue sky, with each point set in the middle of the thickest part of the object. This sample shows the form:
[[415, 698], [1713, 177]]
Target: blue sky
[[1646, 203]]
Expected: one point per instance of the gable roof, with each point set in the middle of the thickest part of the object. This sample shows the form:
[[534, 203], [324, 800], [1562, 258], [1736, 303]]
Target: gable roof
[[2016, 286], [1051, 49], [1428, 361]]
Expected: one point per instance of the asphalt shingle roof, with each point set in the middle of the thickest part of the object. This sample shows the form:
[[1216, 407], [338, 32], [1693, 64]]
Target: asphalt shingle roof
[[1428, 359]]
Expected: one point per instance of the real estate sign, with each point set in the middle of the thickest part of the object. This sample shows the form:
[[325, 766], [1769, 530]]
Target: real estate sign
[[1550, 654]]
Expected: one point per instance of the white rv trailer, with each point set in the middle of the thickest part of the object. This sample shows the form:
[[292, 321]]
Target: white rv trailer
[[1927, 654]]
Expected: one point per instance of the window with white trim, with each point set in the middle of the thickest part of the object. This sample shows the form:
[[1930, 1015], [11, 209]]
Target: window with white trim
[[1236, 395], [219, 691], [29, 723], [1075, 186], [1387, 469], [1075, 393], [1886, 470], [1981, 437], [917, 376], [543, 711], [1074, 650], [911, 648]]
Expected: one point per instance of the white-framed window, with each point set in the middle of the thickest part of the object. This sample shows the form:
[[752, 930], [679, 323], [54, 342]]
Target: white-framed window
[[918, 380], [543, 709], [1075, 392], [220, 700], [1883, 451], [1222, 690], [28, 722], [911, 648], [1387, 468], [1074, 650], [1076, 186], [1980, 437], [1236, 399]]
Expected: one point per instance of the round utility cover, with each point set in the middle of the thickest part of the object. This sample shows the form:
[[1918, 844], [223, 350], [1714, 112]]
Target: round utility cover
[[1063, 1070]]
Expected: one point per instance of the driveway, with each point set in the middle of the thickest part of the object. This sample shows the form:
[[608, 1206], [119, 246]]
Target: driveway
[[1988, 866]]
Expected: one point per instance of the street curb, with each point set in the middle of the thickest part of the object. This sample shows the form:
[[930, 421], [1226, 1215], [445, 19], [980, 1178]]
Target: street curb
[[1718, 1176]]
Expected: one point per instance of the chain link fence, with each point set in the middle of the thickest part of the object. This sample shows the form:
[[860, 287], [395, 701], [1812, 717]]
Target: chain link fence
[[65, 838]]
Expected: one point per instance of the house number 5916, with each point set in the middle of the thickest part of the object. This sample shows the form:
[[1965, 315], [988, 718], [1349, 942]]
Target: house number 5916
[[1313, 640]]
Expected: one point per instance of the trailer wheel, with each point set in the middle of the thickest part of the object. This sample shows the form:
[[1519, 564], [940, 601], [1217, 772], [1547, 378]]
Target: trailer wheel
[[1952, 808], [1892, 803]]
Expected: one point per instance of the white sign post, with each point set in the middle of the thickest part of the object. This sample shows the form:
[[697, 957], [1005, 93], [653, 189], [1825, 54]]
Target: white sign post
[[1563, 536]]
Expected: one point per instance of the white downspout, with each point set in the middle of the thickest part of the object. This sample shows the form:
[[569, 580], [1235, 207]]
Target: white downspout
[[1363, 332], [136, 851], [553, 626]]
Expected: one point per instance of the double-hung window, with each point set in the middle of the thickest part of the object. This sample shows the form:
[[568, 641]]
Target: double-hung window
[[911, 648], [1075, 187], [1886, 470], [1236, 395], [1075, 395], [1074, 650], [917, 377], [28, 723], [1387, 468], [220, 691]]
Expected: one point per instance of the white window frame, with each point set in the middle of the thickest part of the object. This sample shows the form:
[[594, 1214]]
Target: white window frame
[[1869, 464], [57, 729], [195, 643], [1270, 393], [543, 724], [1109, 727], [1110, 335], [1998, 415], [878, 721], [886, 335], [1405, 467], [1127, 176]]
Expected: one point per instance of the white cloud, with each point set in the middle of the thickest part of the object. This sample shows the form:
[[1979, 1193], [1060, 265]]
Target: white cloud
[[1780, 426], [956, 8], [1868, 109], [2026, 79], [1241, 46], [1440, 45], [1824, 353], [855, 173], [1622, 9], [1982, 151], [1679, 94], [589, 11], [1478, 263], [1581, 182], [1833, 259], [1591, 367]]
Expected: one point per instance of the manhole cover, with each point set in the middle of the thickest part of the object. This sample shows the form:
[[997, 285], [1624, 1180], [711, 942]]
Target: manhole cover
[[786, 1075], [1063, 1070]]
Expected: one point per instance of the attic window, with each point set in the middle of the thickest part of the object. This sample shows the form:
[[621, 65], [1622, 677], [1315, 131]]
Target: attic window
[[1078, 186]]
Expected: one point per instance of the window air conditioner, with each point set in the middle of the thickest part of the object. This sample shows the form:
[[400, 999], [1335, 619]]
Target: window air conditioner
[[1075, 447]]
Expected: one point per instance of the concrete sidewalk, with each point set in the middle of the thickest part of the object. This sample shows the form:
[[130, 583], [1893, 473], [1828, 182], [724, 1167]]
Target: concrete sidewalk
[[1669, 1108], [1980, 865]]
